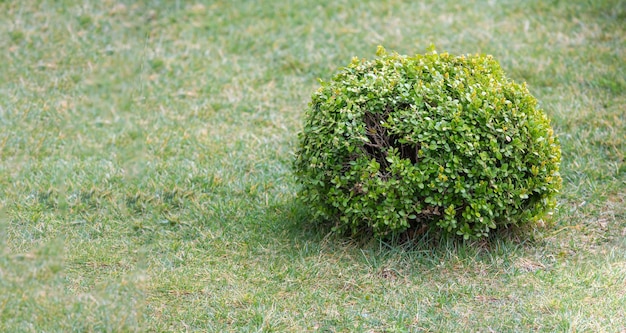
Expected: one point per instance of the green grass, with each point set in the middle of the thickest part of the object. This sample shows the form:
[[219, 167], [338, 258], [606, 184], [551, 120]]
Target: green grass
[[145, 181]]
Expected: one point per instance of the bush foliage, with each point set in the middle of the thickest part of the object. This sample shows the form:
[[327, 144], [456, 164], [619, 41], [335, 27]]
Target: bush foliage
[[433, 140]]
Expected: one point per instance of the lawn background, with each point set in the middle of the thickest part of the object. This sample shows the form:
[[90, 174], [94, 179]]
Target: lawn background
[[145, 182]]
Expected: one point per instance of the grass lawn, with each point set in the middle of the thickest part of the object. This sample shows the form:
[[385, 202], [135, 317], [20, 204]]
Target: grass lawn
[[146, 186]]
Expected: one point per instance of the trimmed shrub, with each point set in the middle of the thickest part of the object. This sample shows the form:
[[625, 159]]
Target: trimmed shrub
[[434, 140]]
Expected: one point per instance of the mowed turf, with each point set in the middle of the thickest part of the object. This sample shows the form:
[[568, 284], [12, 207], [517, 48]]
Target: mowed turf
[[146, 186]]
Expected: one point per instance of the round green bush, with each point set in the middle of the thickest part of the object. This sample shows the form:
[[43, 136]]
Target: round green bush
[[429, 140]]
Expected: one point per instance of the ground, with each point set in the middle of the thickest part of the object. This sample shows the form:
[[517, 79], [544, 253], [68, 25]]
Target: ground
[[145, 180]]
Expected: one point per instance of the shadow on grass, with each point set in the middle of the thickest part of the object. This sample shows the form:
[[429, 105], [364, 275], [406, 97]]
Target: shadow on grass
[[294, 223]]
